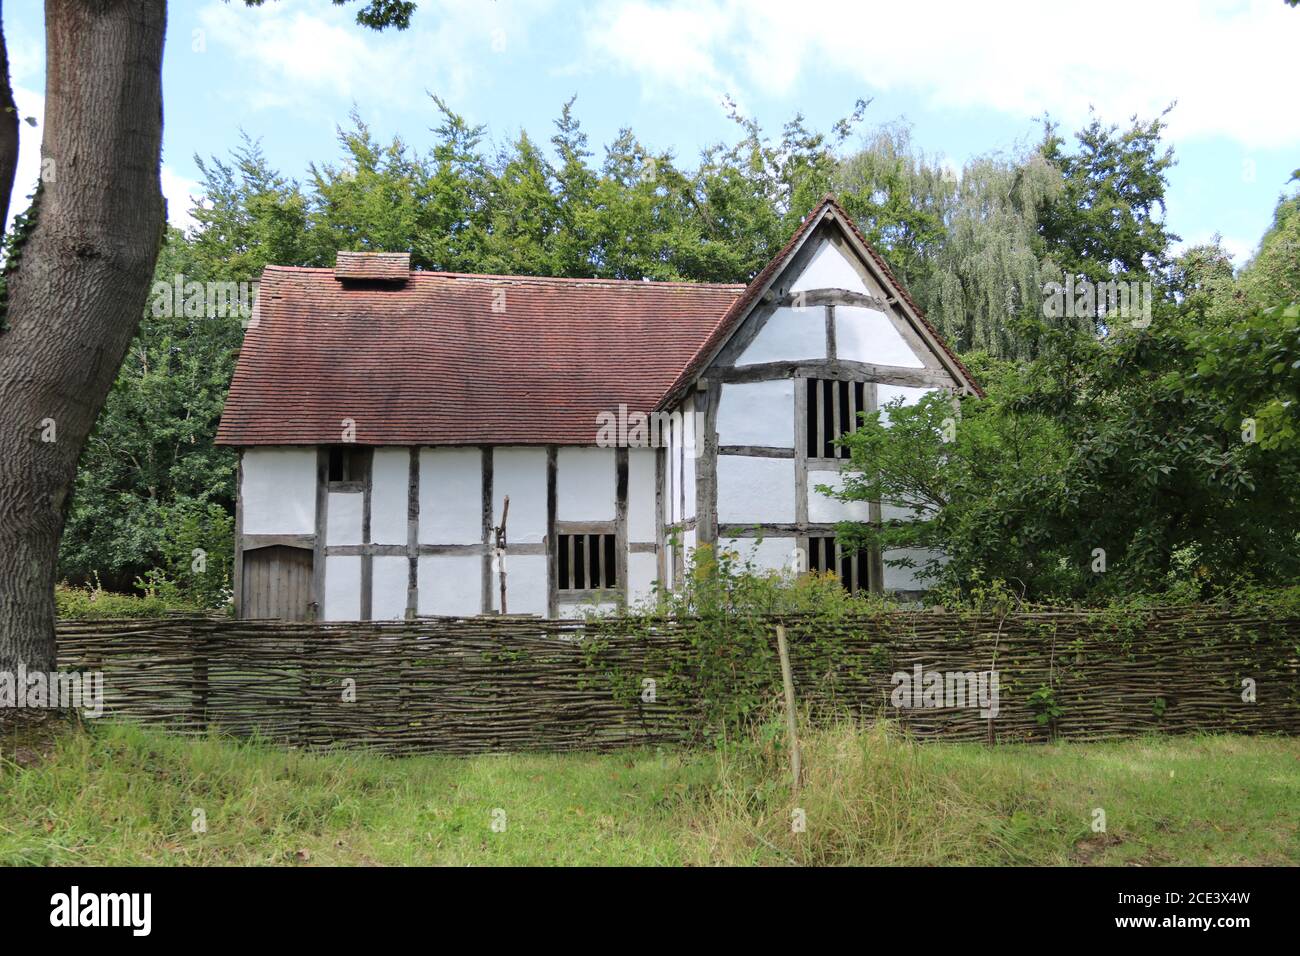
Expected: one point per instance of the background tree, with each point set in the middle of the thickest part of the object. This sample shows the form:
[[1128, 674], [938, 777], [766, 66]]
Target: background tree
[[75, 282], [75, 278]]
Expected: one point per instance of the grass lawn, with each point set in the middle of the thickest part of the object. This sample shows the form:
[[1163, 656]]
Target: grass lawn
[[115, 794]]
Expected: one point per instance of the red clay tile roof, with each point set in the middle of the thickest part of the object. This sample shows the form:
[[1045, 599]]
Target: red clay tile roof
[[375, 266], [430, 362]]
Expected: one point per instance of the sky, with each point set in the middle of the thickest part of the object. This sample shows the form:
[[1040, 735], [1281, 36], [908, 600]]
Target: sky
[[969, 78]]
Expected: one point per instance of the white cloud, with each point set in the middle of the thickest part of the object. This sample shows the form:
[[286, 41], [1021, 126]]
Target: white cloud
[[673, 47], [30, 105], [179, 193], [293, 53], [1228, 63]]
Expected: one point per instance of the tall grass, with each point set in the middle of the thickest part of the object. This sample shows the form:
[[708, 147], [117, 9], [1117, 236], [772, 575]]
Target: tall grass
[[871, 796], [115, 794]]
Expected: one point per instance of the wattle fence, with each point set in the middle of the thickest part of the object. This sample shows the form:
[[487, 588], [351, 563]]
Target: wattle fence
[[443, 685]]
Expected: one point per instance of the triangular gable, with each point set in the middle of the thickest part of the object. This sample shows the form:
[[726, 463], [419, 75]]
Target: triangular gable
[[801, 265]]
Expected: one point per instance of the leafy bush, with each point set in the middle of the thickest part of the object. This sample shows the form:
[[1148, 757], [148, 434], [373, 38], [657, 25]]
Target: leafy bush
[[1102, 468], [92, 602], [724, 611]]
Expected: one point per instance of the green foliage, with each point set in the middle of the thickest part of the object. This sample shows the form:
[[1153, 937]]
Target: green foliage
[[151, 485], [727, 606], [92, 602], [1253, 368], [1107, 221], [375, 14], [1047, 710], [1111, 445], [966, 246], [198, 545]]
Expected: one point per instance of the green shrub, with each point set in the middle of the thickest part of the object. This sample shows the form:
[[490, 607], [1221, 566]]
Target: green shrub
[[158, 599], [724, 610]]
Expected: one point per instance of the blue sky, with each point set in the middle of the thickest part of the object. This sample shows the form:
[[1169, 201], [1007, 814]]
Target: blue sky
[[969, 78]]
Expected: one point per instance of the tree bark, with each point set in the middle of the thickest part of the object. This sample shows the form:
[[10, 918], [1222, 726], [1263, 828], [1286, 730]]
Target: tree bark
[[78, 291]]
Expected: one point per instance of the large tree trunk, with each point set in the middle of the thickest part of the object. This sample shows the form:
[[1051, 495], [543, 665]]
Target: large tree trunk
[[77, 292]]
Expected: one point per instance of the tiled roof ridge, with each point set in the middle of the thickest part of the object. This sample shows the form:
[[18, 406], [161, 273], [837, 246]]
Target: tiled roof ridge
[[328, 271]]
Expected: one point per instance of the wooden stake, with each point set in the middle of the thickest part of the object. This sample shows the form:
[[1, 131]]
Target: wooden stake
[[787, 678]]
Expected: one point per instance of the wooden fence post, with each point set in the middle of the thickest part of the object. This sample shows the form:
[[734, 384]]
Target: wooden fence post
[[791, 723], [199, 678]]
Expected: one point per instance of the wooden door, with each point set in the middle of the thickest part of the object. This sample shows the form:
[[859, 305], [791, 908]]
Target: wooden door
[[277, 583]]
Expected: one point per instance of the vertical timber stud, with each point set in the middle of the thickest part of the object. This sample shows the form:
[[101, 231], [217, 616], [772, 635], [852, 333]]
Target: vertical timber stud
[[706, 462], [237, 571], [830, 334], [487, 531], [620, 523], [876, 568], [801, 453], [661, 536], [367, 551], [552, 543], [413, 534], [322, 513]]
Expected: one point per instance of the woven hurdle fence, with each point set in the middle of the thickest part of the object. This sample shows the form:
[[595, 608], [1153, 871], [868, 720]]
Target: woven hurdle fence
[[460, 686]]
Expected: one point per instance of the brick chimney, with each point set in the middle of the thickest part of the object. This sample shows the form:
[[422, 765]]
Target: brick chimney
[[394, 267]]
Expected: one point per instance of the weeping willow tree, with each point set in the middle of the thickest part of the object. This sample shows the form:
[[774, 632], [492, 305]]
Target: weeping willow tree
[[967, 244], [991, 268]]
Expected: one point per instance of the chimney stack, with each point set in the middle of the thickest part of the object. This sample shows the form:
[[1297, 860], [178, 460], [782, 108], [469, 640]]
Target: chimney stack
[[392, 267]]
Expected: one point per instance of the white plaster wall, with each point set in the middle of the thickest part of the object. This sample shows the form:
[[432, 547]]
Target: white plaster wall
[[689, 461], [343, 517], [451, 496], [641, 494], [672, 477], [279, 490], [342, 587], [757, 413], [890, 511], [755, 489], [389, 578], [684, 448], [822, 509], [904, 579], [766, 554], [642, 569], [573, 611], [521, 474], [788, 334], [907, 579], [527, 587], [390, 485], [692, 448], [584, 486], [450, 584], [692, 429], [888, 393], [829, 269], [866, 335]]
